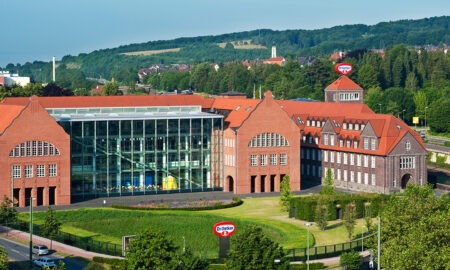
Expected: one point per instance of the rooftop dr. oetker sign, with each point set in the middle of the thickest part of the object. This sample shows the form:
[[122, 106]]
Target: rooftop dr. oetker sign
[[224, 228], [343, 68]]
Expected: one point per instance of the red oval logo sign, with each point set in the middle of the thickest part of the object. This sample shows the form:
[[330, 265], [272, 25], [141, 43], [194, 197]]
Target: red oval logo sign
[[224, 228], [343, 68]]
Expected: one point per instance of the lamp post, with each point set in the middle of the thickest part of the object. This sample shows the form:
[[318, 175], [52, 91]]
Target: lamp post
[[426, 118], [403, 115], [379, 243], [379, 104], [31, 231], [307, 224]]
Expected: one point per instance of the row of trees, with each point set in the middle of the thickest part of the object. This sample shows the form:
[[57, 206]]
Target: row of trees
[[404, 82]]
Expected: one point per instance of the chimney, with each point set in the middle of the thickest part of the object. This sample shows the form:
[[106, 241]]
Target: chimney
[[274, 51], [54, 69]]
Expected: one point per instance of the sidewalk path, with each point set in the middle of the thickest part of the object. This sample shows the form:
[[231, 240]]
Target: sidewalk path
[[9, 233]]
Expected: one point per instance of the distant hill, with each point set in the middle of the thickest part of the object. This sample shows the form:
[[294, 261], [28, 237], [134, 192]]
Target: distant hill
[[123, 62]]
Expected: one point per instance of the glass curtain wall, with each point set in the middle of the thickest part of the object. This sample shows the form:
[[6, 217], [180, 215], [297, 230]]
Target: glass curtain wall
[[132, 157]]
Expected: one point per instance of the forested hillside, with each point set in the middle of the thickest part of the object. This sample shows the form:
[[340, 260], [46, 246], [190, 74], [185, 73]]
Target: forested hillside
[[108, 63]]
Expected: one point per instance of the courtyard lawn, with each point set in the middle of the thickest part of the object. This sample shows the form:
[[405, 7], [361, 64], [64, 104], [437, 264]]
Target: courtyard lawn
[[195, 228]]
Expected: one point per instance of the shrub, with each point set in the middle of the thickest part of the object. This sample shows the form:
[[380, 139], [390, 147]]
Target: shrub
[[305, 206], [312, 266], [351, 260]]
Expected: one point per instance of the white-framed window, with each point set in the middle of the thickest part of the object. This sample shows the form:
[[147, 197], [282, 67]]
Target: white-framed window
[[263, 160], [349, 143], [374, 179], [310, 139], [283, 159], [52, 170], [359, 178], [373, 144], [366, 161], [339, 174], [352, 159], [373, 162], [331, 156], [355, 144], [316, 140], [325, 155], [358, 160], [345, 176], [366, 143], [332, 140], [352, 176], [325, 139], [254, 160], [341, 143], [273, 159], [408, 146], [407, 162], [40, 170], [338, 157], [28, 171], [345, 158], [16, 171], [304, 138], [366, 178]]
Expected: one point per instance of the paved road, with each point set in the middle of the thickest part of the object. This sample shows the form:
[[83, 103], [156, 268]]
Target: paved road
[[19, 252]]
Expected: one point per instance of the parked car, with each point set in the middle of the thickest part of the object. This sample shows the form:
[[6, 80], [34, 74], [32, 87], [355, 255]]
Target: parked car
[[40, 250], [45, 262]]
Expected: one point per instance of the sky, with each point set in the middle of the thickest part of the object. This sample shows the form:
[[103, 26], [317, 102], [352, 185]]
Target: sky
[[37, 30]]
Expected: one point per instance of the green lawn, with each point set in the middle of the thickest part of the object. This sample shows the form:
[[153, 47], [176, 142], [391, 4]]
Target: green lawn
[[109, 225]]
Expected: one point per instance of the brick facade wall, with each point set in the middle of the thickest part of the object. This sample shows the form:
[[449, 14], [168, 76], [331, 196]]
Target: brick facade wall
[[35, 124]]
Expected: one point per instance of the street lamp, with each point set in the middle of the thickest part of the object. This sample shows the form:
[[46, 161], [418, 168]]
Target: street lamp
[[379, 243], [403, 115], [426, 118], [379, 104], [307, 224], [31, 231]]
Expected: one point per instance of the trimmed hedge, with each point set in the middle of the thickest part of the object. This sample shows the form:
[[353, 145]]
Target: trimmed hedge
[[236, 202], [305, 206]]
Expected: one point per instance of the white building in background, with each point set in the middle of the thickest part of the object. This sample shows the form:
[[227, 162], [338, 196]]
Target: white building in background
[[8, 79]]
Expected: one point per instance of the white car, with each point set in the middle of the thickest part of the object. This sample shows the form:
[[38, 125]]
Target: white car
[[45, 261], [40, 249]]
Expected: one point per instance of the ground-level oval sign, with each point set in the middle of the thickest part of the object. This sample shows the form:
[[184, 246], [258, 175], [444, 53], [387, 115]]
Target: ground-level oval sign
[[343, 68], [224, 228]]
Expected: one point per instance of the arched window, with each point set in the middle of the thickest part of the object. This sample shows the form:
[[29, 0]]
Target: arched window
[[34, 149], [268, 139]]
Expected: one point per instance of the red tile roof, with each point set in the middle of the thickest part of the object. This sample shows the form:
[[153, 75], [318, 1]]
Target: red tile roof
[[112, 101], [389, 129], [343, 83], [7, 115], [239, 109]]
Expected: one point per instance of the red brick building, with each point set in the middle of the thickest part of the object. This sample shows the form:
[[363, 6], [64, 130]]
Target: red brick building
[[258, 142], [35, 156]]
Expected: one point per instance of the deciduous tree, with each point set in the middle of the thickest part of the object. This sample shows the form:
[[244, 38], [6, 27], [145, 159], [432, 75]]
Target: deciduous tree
[[415, 230], [350, 219], [285, 193], [252, 249], [51, 226]]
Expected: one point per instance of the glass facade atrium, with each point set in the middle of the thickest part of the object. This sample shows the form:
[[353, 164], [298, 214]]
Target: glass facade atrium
[[142, 150]]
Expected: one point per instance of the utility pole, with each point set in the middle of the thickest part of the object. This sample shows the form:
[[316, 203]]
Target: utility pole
[[379, 243]]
